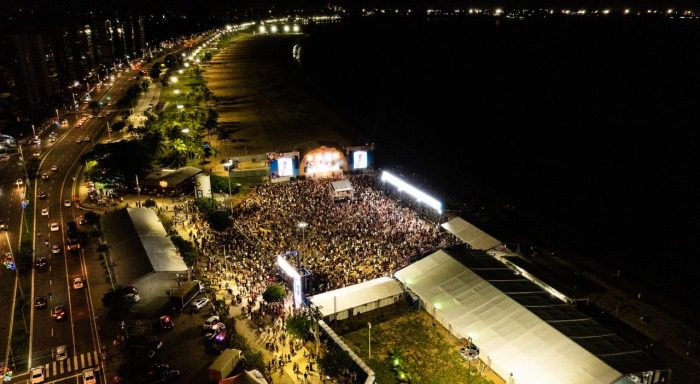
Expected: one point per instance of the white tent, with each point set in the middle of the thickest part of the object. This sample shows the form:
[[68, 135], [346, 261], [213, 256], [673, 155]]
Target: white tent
[[161, 251], [470, 234], [510, 337], [358, 298]]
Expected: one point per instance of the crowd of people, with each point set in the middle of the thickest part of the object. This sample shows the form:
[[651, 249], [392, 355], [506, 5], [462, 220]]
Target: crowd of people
[[343, 243]]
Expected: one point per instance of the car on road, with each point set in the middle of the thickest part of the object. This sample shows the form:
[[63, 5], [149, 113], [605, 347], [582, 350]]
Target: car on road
[[54, 168], [40, 302], [210, 322], [82, 220], [79, 140], [3, 226], [55, 249], [166, 322], [19, 182], [66, 203], [44, 176], [61, 353], [54, 227], [58, 312], [36, 154], [132, 298], [41, 263], [200, 303], [89, 376], [86, 138], [37, 375], [42, 195], [44, 212], [77, 282]]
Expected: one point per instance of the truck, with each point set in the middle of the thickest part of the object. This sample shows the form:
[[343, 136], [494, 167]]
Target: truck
[[222, 367]]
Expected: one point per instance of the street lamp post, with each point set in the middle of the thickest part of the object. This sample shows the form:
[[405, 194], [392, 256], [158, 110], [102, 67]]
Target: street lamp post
[[369, 339]]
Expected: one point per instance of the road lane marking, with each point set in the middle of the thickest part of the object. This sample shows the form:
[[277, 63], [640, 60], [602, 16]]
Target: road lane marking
[[51, 331], [68, 366], [96, 355], [75, 361], [89, 358], [82, 360], [60, 367], [50, 282], [48, 372]]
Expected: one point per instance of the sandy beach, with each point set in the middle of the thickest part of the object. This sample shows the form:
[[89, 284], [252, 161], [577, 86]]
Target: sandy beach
[[266, 102]]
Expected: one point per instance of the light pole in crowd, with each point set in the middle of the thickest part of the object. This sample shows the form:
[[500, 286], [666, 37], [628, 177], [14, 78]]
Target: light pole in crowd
[[302, 225]]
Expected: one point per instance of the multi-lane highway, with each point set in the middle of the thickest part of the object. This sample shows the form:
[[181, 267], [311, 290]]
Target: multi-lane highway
[[77, 329]]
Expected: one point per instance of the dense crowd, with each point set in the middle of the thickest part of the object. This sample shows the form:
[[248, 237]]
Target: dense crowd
[[345, 242]]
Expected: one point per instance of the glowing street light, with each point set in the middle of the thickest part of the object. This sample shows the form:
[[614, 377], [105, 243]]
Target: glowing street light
[[173, 79], [185, 130], [181, 71], [176, 91]]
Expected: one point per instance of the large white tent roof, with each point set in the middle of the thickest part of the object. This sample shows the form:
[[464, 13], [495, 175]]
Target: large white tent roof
[[353, 296], [161, 251], [470, 234], [510, 337]]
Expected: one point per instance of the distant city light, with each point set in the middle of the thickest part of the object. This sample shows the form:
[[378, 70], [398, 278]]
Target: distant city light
[[286, 28], [273, 29], [228, 27], [295, 28], [412, 191], [498, 12], [262, 29], [181, 71], [173, 79], [177, 91], [180, 106], [627, 11]]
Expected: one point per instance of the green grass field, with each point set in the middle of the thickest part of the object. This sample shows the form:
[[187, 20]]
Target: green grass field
[[410, 344]]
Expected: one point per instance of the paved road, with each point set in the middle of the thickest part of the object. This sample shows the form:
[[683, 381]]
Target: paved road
[[78, 330], [10, 213]]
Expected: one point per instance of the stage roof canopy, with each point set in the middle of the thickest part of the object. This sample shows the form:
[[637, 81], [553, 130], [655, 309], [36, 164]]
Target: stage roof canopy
[[356, 295], [470, 234], [161, 251], [517, 326], [342, 185]]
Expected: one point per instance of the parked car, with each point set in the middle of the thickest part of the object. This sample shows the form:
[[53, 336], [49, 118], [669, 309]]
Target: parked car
[[67, 203], [54, 167], [44, 212], [200, 303], [42, 195], [132, 298], [44, 176], [54, 227], [210, 321], [55, 249]]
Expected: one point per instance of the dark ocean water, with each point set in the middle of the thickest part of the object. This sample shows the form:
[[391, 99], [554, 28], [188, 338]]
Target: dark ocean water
[[588, 125]]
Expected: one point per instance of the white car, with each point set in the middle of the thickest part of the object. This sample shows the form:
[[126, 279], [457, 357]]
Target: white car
[[44, 176], [37, 375], [200, 303], [66, 203], [210, 322], [89, 376], [44, 212], [36, 154], [55, 227], [61, 353], [19, 182], [77, 282], [79, 140], [54, 168]]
